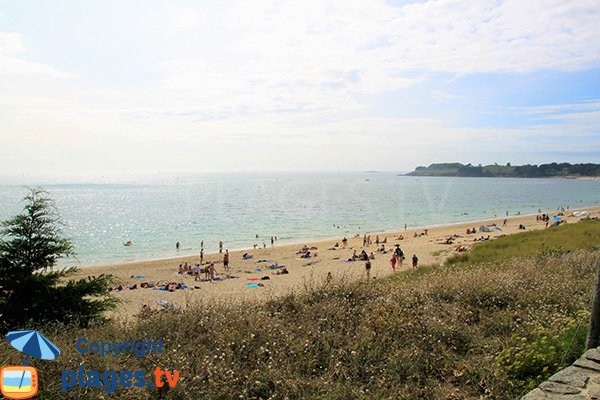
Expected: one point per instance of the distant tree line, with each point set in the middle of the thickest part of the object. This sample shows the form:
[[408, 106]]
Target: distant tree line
[[520, 171]]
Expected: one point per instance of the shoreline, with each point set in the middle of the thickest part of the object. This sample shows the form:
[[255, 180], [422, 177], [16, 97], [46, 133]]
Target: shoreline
[[303, 273], [303, 241]]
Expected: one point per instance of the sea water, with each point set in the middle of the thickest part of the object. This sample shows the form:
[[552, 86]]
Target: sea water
[[154, 215]]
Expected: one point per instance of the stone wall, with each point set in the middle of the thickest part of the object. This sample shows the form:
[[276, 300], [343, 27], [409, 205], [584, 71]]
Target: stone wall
[[580, 381]]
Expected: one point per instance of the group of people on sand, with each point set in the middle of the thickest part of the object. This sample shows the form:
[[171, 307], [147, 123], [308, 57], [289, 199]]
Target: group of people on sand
[[396, 260], [307, 252], [170, 286]]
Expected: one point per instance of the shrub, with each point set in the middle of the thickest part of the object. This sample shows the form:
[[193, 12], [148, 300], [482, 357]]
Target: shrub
[[532, 358]]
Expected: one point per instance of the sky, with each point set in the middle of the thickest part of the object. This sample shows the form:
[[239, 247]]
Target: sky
[[144, 86]]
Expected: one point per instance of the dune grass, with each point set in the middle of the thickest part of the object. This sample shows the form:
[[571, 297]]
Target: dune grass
[[440, 332], [553, 240]]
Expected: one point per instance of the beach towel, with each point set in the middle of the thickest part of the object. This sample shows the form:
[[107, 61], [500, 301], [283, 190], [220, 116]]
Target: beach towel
[[253, 279], [162, 290], [167, 305], [139, 276], [253, 285], [275, 266]]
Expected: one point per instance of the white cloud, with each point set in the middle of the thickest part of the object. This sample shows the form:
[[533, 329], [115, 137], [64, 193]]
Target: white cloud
[[279, 84], [11, 63], [187, 18]]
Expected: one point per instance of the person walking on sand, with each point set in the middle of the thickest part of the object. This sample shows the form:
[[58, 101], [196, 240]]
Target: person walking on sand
[[393, 262], [201, 256], [415, 261], [368, 269], [226, 261], [212, 271], [220, 246]]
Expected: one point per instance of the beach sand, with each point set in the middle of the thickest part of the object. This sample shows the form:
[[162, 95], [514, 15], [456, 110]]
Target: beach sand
[[303, 273]]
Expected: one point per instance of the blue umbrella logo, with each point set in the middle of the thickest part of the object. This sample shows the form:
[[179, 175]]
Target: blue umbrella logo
[[33, 344]]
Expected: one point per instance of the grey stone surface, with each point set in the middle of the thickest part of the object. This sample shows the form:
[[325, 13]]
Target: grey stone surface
[[572, 376], [593, 354], [536, 394], [581, 381], [559, 388], [594, 393], [587, 363]]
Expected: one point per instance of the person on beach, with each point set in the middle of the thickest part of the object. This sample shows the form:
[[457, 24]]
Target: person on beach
[[364, 256], [365, 241], [197, 272], [220, 246], [226, 261], [405, 226], [177, 245], [399, 255], [201, 256], [415, 261], [368, 269], [212, 271], [202, 245], [393, 261], [272, 241], [344, 242]]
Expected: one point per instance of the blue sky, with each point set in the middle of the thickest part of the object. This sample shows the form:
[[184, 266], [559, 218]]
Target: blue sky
[[113, 87]]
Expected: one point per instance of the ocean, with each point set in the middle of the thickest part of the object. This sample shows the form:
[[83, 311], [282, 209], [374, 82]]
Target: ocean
[[154, 215]]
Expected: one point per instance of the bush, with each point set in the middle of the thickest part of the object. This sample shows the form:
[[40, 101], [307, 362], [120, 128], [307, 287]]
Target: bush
[[532, 358]]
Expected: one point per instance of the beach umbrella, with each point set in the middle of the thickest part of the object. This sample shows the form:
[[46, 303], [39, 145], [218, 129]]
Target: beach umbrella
[[33, 344], [556, 218]]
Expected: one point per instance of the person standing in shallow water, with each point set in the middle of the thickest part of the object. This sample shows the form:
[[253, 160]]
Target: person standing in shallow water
[[220, 246], [177, 246]]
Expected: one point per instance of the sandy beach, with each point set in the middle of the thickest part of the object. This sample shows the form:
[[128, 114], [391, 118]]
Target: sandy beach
[[304, 273]]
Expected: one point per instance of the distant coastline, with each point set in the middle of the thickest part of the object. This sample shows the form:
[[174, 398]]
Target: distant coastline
[[552, 170]]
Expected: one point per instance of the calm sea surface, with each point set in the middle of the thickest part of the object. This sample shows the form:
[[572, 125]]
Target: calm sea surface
[[292, 206]]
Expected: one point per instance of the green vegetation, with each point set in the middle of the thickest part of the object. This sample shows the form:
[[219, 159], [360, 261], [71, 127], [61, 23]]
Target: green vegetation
[[533, 358], [522, 171], [31, 243], [552, 241], [486, 329]]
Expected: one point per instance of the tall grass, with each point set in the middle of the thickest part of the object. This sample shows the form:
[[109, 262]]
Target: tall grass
[[435, 333], [551, 241]]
